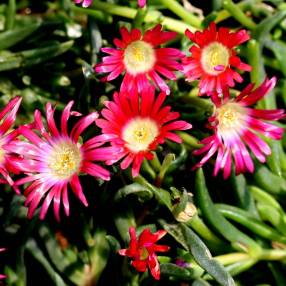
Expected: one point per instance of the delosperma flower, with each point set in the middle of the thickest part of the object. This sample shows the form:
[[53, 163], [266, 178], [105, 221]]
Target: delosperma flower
[[52, 159], [138, 125], [85, 3], [238, 126], [141, 59], [2, 276], [7, 119], [143, 250], [213, 58], [141, 3]]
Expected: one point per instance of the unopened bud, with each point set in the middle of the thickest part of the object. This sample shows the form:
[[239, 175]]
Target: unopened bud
[[188, 213]]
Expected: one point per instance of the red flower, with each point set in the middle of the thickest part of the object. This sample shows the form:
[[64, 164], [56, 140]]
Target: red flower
[[212, 58], [140, 58], [236, 126], [138, 125], [52, 159], [143, 251]]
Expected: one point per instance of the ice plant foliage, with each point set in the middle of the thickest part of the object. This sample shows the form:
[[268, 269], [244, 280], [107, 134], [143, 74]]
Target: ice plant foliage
[[238, 126], [138, 124], [143, 250], [52, 159], [7, 119], [141, 59], [85, 3], [213, 58]]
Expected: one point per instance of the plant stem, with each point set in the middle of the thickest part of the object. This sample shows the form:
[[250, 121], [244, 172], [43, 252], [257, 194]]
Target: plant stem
[[230, 258], [10, 15], [179, 10], [237, 13], [198, 225], [189, 140], [139, 18], [95, 14], [151, 16]]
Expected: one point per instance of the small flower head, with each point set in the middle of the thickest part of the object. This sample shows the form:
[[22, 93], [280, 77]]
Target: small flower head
[[53, 158], [2, 276], [141, 59], [238, 126], [138, 125], [7, 119], [85, 3], [213, 58], [143, 250], [141, 3]]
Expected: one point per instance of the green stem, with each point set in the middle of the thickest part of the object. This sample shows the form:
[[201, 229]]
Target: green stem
[[189, 140], [230, 258], [10, 16], [95, 14], [199, 226], [273, 254], [243, 5], [237, 13], [148, 169], [155, 162], [139, 18], [151, 16], [179, 10], [197, 102]]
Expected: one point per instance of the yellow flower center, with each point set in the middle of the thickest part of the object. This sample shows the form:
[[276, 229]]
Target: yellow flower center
[[139, 57], [143, 253], [215, 58], [65, 160], [231, 117], [139, 133]]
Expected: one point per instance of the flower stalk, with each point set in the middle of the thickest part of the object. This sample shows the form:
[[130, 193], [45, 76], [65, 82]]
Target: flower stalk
[[151, 16]]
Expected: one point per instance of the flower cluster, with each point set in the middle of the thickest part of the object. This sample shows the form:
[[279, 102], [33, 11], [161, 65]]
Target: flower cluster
[[49, 158]]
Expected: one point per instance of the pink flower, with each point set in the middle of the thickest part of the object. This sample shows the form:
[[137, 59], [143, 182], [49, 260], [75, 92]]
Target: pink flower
[[85, 3], [8, 117], [2, 276], [141, 3], [52, 159], [212, 57], [139, 125], [142, 61], [236, 126], [143, 251]]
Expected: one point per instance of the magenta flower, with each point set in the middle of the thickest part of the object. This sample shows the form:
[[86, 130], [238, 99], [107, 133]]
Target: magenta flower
[[85, 3], [141, 3], [2, 276], [7, 118], [139, 125], [141, 59], [52, 159], [236, 126]]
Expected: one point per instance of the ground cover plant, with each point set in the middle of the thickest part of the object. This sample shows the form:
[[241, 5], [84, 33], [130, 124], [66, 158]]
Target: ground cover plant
[[142, 142]]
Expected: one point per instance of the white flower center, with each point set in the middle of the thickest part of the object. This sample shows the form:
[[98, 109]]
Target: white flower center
[[139, 57], [232, 118], [139, 133], [215, 58], [65, 159]]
